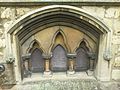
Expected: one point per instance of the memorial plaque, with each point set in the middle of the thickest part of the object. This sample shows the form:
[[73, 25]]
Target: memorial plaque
[[82, 60], [37, 62], [59, 59]]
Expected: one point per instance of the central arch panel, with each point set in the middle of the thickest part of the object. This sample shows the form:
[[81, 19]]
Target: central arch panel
[[59, 59]]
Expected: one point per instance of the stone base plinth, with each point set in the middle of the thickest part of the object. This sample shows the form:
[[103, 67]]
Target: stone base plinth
[[90, 73], [47, 73], [70, 72]]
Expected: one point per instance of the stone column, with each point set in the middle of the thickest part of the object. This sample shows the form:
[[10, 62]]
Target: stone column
[[47, 58], [47, 65], [92, 57], [71, 65], [10, 70], [91, 65], [71, 58], [26, 70]]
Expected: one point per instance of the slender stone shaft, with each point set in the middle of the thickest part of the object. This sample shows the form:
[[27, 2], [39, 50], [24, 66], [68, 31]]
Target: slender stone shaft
[[47, 65]]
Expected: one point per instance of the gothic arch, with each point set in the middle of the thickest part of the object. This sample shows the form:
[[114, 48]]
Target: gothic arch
[[87, 44], [59, 33], [31, 46], [35, 50], [82, 61], [65, 15], [36, 62], [62, 16]]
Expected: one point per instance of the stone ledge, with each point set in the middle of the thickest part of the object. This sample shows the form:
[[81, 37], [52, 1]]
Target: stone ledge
[[72, 84], [36, 77], [59, 0], [59, 3], [65, 85]]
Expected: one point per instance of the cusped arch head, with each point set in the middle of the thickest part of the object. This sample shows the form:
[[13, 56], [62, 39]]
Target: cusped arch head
[[33, 45], [61, 13], [89, 48], [53, 44], [60, 46]]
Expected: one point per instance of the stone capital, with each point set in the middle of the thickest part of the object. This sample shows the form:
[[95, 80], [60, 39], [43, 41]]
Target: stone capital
[[71, 55], [91, 55], [47, 56], [26, 56]]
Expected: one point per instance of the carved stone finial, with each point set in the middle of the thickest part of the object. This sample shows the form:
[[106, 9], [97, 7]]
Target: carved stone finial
[[107, 55], [10, 60]]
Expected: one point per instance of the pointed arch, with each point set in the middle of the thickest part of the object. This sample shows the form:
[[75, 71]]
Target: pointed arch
[[59, 38], [41, 18], [82, 62], [86, 44], [34, 44], [36, 62]]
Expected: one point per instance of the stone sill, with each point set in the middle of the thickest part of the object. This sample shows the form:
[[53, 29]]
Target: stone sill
[[58, 76]]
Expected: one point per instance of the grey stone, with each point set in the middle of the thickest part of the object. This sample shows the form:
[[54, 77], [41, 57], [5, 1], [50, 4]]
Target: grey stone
[[22, 11], [112, 13], [8, 13]]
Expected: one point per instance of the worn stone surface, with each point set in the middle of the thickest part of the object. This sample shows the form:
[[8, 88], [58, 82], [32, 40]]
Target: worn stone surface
[[74, 84], [112, 12], [116, 24], [8, 13], [59, 0], [116, 73], [109, 86], [95, 10], [109, 15], [115, 40], [21, 11], [117, 62], [7, 24]]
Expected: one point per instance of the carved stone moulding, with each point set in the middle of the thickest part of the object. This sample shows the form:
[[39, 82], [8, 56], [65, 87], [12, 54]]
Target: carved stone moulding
[[71, 55], [47, 56], [26, 56], [91, 55]]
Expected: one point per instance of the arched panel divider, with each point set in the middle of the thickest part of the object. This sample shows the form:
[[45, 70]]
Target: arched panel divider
[[59, 34]]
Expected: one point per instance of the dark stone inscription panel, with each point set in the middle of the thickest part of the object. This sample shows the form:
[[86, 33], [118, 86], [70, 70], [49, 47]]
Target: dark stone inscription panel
[[82, 60], [37, 62], [59, 59]]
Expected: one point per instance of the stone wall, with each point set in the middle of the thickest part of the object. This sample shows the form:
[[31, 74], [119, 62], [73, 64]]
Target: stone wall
[[59, 0], [110, 15], [8, 16]]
